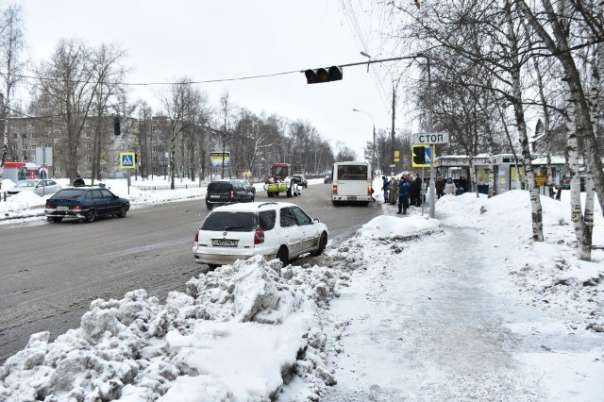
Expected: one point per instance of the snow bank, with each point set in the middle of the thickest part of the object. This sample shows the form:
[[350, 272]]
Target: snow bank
[[398, 228], [7, 184], [23, 201], [142, 192], [547, 274], [235, 334]]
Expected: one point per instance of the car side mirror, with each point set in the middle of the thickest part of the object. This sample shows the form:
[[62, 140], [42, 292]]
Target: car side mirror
[[316, 220]]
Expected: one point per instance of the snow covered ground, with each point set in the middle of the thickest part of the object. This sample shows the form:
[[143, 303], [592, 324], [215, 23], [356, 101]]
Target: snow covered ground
[[142, 192], [463, 307], [475, 311]]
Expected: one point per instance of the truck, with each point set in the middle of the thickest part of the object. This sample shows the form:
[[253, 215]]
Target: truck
[[281, 182]]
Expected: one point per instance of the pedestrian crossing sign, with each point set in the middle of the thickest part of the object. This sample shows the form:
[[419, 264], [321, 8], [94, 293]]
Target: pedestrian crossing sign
[[127, 160]]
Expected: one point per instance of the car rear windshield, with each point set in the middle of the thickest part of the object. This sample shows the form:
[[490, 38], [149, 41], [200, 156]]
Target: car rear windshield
[[220, 187], [68, 194], [231, 221], [352, 172]]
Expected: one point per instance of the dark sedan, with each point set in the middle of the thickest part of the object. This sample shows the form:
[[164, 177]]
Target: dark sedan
[[225, 192], [85, 203]]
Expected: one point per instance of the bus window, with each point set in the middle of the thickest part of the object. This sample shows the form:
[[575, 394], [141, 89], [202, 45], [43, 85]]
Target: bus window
[[352, 172]]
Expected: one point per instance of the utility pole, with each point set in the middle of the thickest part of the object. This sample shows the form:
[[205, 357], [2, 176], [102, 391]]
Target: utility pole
[[432, 192], [393, 127], [4, 149], [373, 154]]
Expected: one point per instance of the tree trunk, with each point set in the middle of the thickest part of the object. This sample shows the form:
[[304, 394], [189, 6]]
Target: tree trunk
[[192, 164], [576, 214], [536, 210], [172, 161], [584, 128], [588, 220]]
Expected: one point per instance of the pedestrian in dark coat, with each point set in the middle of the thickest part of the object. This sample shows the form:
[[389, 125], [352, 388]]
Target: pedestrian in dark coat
[[403, 195], [416, 192], [440, 187], [78, 181], [385, 184]]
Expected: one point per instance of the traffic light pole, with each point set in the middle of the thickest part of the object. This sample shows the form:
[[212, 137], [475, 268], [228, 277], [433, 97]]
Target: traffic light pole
[[432, 184], [432, 192]]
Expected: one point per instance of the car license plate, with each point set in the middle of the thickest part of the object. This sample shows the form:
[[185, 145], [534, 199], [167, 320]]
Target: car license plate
[[61, 208], [352, 198], [214, 196], [224, 243]]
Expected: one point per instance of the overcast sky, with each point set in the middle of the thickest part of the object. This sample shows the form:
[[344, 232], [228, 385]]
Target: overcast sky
[[211, 39]]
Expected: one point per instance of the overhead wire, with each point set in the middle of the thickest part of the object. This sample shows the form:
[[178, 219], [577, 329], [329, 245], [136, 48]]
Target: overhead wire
[[193, 82]]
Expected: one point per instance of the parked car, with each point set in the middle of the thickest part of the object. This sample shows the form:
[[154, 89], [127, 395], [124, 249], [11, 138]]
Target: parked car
[[85, 203], [223, 192], [301, 180], [247, 186], [46, 187], [327, 179], [271, 229], [39, 187]]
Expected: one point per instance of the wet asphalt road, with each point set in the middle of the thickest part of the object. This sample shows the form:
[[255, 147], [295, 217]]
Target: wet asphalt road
[[49, 273]]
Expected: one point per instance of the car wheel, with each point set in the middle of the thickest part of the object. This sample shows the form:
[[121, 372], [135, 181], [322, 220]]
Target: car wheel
[[213, 266], [322, 245], [122, 213], [54, 219], [335, 203], [283, 256], [91, 217]]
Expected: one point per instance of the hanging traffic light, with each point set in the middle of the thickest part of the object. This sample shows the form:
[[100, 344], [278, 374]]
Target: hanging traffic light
[[116, 125], [320, 75]]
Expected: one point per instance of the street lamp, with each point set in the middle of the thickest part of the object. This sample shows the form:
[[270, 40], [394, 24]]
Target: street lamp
[[364, 54], [354, 109]]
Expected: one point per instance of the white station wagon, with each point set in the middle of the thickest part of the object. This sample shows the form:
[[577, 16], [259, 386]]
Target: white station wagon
[[272, 229]]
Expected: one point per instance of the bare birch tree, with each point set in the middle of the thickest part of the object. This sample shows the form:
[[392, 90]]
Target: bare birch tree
[[11, 54], [68, 79]]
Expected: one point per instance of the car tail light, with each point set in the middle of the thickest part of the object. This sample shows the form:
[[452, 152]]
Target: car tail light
[[196, 238], [48, 204], [76, 208], [259, 236], [232, 195], [369, 189], [334, 189]]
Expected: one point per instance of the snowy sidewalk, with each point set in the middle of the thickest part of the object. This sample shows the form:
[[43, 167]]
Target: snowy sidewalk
[[424, 323]]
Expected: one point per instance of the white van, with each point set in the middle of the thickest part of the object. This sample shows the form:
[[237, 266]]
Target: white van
[[351, 183]]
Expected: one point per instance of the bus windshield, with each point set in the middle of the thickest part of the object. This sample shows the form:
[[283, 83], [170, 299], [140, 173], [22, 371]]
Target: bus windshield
[[352, 172]]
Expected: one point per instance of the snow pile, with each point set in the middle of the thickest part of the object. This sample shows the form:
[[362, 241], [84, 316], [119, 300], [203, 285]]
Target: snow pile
[[23, 201], [7, 184], [547, 274], [234, 335], [398, 228]]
